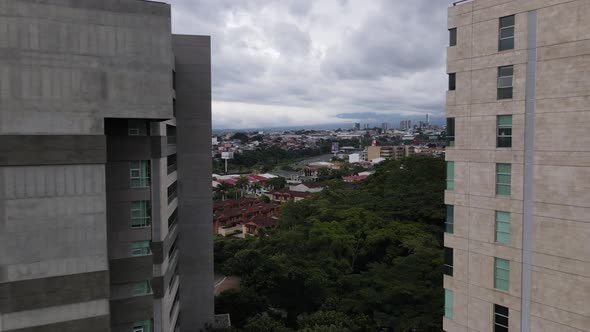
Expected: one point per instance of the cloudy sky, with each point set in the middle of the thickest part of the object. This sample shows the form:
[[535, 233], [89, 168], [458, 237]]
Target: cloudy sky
[[310, 62]]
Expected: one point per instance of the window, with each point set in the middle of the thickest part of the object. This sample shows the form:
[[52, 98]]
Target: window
[[448, 304], [171, 162], [172, 192], [174, 79], [172, 249], [142, 288], [140, 214], [142, 326], [503, 227], [450, 131], [173, 218], [504, 132], [506, 33], [140, 248], [170, 134], [450, 220], [450, 175], [174, 304], [139, 174], [174, 107], [453, 37], [137, 127], [452, 81], [505, 74], [500, 318], [501, 274], [503, 179], [448, 267]]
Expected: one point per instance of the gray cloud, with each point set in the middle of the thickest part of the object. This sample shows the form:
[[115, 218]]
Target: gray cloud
[[274, 59]]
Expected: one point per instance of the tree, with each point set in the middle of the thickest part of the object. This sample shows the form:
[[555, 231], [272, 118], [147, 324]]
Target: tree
[[255, 187], [242, 184], [241, 304], [222, 190], [276, 183], [265, 323], [242, 137]]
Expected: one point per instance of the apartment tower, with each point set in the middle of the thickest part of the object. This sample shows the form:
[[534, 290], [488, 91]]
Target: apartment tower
[[105, 201], [517, 254]]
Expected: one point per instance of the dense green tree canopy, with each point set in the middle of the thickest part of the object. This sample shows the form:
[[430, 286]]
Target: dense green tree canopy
[[349, 259]]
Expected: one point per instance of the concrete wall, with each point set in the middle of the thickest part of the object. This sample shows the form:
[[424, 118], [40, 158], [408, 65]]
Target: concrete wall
[[559, 281], [195, 210]]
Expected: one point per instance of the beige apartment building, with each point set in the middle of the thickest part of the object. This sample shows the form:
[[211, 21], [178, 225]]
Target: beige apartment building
[[517, 254]]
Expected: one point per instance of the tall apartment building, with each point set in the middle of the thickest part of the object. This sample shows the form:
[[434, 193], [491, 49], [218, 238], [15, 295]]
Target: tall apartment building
[[517, 254], [105, 202], [396, 152]]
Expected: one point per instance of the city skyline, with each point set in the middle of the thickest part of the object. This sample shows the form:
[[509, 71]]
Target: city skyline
[[296, 63]]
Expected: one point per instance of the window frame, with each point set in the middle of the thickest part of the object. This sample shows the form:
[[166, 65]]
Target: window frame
[[500, 221], [498, 326], [502, 184], [501, 88], [452, 81], [497, 277], [450, 215], [143, 169], [144, 287], [501, 28], [499, 128], [452, 37], [141, 249], [448, 261], [145, 214], [450, 137], [448, 305], [450, 180]]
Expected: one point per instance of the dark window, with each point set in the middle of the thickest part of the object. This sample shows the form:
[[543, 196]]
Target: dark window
[[450, 131], [172, 192], [453, 37], [505, 75], [500, 318], [172, 248], [171, 161], [174, 304], [506, 33], [173, 218], [448, 268], [170, 134], [136, 127], [452, 82], [450, 220], [174, 107]]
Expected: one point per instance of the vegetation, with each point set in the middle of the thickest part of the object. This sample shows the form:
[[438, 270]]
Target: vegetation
[[348, 259]]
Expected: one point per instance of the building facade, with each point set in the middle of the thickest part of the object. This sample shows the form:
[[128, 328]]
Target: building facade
[[105, 200], [517, 241]]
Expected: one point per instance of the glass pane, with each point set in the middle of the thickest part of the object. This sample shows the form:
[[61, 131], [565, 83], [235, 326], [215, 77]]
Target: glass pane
[[502, 264], [507, 32], [505, 93], [504, 168], [452, 37], [505, 120], [501, 320], [502, 284], [503, 216], [505, 131], [450, 185], [504, 142], [451, 82], [503, 227], [503, 190], [450, 170], [503, 238], [506, 21], [505, 71], [506, 44], [505, 82], [134, 164], [502, 310], [502, 274], [504, 178], [449, 228], [450, 213], [498, 328]]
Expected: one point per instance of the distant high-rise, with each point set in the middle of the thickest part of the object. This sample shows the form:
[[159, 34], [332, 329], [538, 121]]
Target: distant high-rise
[[385, 126], [105, 169], [357, 126], [517, 241], [427, 119]]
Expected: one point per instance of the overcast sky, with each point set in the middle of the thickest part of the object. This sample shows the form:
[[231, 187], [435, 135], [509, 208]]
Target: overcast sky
[[309, 62]]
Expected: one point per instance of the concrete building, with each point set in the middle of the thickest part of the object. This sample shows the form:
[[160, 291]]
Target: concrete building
[[517, 254], [390, 152], [105, 200]]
